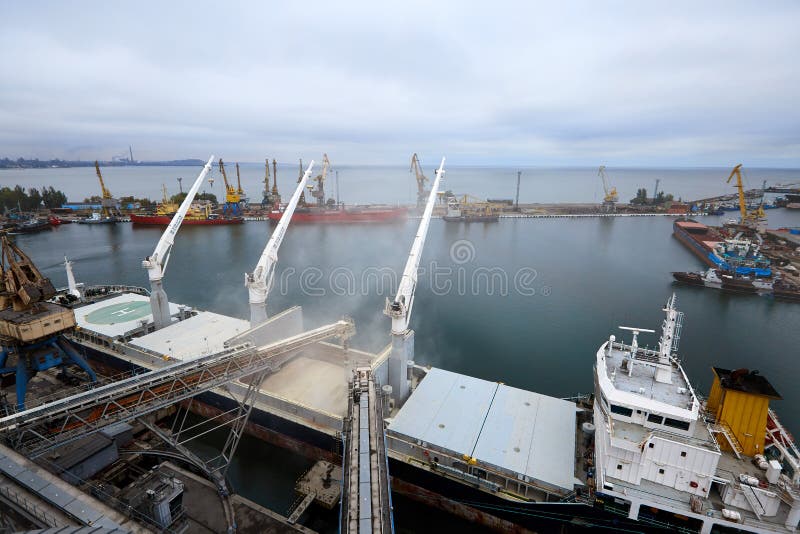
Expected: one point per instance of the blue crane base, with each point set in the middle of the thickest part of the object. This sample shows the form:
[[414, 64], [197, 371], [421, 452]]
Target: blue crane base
[[53, 352], [230, 208]]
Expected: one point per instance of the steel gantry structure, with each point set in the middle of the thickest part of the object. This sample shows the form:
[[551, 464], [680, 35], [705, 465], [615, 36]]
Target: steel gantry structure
[[39, 430]]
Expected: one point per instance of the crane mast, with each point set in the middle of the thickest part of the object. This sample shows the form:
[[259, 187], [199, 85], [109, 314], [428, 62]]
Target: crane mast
[[259, 282], [302, 200], [156, 263], [239, 182], [400, 308], [275, 195], [421, 179]]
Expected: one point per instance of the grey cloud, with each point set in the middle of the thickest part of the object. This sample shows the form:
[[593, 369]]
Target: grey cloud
[[679, 83]]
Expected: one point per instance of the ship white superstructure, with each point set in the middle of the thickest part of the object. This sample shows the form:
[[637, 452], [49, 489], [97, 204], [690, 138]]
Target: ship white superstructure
[[658, 447]]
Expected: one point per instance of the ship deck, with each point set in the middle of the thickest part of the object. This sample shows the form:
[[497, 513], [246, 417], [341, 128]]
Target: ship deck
[[309, 387], [116, 316], [519, 432], [642, 379], [197, 336]]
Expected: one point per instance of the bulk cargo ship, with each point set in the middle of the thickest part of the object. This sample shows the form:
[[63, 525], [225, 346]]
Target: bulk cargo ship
[[644, 451]]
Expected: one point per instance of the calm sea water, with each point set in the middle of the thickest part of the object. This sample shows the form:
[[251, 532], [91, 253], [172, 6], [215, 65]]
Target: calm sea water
[[526, 302], [393, 184]]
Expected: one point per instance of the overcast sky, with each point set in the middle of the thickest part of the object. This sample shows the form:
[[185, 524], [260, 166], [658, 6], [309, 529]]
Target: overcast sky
[[555, 83]]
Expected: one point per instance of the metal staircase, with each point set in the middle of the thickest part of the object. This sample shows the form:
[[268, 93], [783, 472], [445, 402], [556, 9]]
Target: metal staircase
[[725, 430], [753, 500]]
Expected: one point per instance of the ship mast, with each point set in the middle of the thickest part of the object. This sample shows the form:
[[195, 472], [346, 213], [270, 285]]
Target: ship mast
[[400, 308], [156, 263], [259, 282]]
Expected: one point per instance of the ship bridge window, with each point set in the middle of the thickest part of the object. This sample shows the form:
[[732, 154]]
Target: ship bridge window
[[675, 423], [621, 410], [653, 418]]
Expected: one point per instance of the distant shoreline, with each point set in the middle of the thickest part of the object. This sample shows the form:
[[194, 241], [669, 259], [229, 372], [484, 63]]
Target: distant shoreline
[[22, 163]]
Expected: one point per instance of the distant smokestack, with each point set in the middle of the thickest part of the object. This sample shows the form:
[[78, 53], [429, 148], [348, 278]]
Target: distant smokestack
[[130, 150]]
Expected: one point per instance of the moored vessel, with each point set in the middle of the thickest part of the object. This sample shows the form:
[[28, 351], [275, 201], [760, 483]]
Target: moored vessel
[[164, 220], [365, 214]]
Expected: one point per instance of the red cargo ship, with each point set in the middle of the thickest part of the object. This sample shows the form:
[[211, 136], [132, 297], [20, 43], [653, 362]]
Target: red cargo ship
[[352, 215]]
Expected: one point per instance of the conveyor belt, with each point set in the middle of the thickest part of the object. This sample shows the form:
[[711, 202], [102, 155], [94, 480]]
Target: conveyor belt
[[45, 427]]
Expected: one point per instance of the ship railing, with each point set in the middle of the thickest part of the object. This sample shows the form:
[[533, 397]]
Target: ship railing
[[580, 397], [786, 438], [28, 506], [709, 443], [104, 289]]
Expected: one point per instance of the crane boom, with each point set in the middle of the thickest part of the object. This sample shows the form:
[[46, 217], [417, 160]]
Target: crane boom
[[238, 181], [740, 187], [156, 263], [259, 282], [400, 309], [106, 192]]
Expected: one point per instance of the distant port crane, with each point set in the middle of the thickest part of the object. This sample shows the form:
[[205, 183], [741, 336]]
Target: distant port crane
[[319, 192], [611, 197], [109, 205], [748, 218], [232, 196], [268, 198], [243, 200], [416, 168]]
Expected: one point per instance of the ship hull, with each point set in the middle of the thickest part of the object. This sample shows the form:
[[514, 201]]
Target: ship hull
[[694, 245], [693, 279], [472, 218], [344, 216], [164, 220]]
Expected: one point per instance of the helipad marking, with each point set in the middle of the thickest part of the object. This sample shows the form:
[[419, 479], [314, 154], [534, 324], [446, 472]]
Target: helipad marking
[[120, 313]]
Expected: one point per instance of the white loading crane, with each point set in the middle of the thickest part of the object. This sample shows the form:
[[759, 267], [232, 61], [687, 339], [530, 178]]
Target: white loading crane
[[400, 308], [259, 282], [156, 263]]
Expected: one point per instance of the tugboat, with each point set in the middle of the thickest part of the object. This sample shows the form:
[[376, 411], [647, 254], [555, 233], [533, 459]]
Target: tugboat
[[97, 218]]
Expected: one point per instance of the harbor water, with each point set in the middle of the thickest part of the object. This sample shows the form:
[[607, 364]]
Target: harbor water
[[526, 302]]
